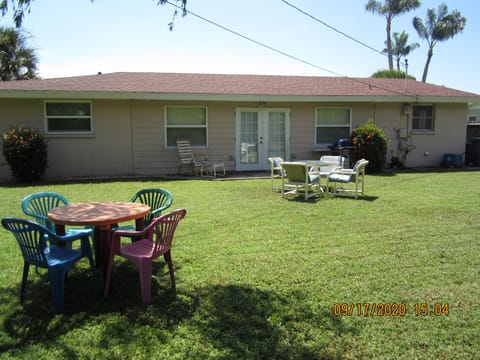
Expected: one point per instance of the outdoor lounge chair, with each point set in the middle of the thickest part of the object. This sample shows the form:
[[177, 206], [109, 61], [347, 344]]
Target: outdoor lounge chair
[[344, 176], [298, 181], [190, 166]]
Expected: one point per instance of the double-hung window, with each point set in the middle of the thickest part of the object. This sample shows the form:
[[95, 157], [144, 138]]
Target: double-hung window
[[331, 124], [186, 122], [68, 117], [423, 118]]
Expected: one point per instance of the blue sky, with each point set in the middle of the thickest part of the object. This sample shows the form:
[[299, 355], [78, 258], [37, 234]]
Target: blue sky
[[78, 37]]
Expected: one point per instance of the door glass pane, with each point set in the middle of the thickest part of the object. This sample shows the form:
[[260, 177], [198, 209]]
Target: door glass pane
[[248, 138], [276, 134]]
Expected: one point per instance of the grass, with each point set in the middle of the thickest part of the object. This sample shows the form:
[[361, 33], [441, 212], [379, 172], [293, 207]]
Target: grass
[[258, 276]]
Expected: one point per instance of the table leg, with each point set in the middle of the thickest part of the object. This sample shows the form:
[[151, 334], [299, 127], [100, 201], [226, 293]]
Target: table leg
[[139, 223], [59, 229], [102, 243]]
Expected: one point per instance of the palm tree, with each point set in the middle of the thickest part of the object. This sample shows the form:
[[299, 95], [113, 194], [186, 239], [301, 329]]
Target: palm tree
[[390, 9], [17, 61], [439, 26], [400, 48]]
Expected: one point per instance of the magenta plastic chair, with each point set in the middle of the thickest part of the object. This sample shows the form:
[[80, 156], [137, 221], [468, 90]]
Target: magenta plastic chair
[[155, 240]]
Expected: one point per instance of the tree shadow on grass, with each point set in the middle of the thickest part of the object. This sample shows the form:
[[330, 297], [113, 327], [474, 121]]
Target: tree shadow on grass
[[250, 323], [119, 316], [236, 321]]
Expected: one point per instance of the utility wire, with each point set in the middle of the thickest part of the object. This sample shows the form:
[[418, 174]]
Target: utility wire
[[257, 42], [404, 63], [333, 28], [279, 51]]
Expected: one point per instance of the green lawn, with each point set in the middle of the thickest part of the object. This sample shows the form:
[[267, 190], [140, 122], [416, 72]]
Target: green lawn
[[259, 276]]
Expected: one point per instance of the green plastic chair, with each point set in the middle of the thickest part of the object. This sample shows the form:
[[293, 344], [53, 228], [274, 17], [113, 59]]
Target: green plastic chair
[[158, 200], [39, 204]]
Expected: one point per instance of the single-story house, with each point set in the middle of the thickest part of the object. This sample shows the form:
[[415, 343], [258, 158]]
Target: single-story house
[[123, 124]]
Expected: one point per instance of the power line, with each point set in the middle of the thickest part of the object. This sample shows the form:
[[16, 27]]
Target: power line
[[279, 51], [333, 28], [339, 31], [258, 42]]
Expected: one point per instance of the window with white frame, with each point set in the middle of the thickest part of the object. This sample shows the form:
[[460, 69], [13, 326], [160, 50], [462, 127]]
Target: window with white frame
[[332, 124], [65, 117], [186, 122], [423, 118]]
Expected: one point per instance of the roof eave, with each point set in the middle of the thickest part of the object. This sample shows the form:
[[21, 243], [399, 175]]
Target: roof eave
[[121, 95]]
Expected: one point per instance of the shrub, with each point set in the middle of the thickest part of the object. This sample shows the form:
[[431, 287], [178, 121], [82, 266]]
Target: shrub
[[392, 74], [370, 143], [26, 153]]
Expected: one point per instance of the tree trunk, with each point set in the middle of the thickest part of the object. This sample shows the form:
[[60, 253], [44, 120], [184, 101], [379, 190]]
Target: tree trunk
[[427, 64], [389, 44]]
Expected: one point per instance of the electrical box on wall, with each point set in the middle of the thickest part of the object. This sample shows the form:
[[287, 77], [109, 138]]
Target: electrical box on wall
[[402, 133]]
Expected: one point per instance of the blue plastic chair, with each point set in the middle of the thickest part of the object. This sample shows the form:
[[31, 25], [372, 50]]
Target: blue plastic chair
[[158, 200], [39, 204], [36, 243]]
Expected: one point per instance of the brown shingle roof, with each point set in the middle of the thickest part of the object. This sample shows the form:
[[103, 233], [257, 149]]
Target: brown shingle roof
[[233, 85]]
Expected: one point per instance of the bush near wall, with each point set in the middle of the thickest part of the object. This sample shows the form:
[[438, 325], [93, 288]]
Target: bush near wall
[[26, 153], [370, 143]]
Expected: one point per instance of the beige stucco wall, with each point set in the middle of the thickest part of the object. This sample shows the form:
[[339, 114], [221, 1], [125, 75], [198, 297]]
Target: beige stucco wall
[[128, 137]]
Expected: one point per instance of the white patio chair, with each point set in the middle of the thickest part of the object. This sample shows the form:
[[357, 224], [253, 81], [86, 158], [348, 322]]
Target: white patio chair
[[275, 170], [355, 176], [298, 181]]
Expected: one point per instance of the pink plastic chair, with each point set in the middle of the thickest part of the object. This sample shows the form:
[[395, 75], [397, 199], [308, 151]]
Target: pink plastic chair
[[154, 240]]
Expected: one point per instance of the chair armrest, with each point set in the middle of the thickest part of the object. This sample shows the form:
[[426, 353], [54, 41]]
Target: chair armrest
[[159, 210], [66, 238], [343, 171], [130, 233]]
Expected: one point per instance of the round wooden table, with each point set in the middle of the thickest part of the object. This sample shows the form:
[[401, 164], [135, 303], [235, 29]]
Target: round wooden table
[[100, 215]]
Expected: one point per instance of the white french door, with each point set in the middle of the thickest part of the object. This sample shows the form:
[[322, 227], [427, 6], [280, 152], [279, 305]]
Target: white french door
[[260, 134]]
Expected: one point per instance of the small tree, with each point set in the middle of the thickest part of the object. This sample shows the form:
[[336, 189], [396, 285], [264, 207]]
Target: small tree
[[371, 144], [26, 153]]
